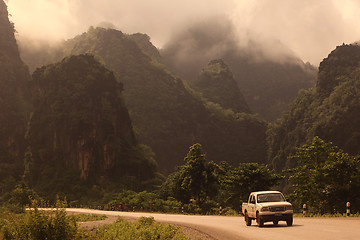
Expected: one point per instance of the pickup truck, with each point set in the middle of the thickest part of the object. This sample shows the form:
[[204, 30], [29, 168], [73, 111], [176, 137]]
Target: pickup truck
[[267, 206]]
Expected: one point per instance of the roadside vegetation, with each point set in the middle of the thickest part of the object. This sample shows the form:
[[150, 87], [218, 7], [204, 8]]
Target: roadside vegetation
[[37, 224], [88, 217], [142, 229]]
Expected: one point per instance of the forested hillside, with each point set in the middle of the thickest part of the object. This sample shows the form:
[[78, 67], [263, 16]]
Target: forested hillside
[[14, 107], [80, 129], [268, 82], [330, 110], [66, 131], [167, 115]]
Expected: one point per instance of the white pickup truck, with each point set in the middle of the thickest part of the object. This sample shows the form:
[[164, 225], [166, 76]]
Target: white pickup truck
[[267, 206]]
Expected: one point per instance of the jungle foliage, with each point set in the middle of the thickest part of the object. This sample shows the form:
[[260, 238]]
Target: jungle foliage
[[325, 179], [217, 84], [204, 186], [330, 111]]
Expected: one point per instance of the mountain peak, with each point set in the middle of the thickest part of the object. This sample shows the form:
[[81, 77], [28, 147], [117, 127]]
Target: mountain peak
[[218, 65], [341, 61], [217, 84], [10, 62]]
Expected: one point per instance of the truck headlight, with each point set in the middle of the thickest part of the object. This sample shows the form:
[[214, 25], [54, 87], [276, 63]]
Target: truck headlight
[[265, 209]]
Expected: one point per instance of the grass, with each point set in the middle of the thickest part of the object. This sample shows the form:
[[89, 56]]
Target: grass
[[142, 229], [88, 217]]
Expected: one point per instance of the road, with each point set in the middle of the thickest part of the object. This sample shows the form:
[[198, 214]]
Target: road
[[232, 228]]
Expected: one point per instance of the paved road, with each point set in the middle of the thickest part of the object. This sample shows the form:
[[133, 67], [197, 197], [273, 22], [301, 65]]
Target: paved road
[[224, 228]]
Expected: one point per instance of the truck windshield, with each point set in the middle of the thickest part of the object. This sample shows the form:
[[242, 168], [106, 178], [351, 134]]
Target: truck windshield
[[270, 197]]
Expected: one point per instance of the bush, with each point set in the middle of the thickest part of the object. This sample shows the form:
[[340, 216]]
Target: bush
[[39, 224], [140, 202], [229, 212]]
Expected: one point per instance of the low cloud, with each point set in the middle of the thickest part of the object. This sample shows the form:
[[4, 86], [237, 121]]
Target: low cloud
[[309, 28]]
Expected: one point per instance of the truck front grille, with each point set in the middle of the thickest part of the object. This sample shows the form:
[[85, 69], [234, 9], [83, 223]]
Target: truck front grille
[[277, 209]]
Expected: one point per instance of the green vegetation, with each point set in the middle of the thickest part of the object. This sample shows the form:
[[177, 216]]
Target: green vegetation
[[325, 178], [330, 111], [88, 217], [216, 83], [80, 133], [144, 229], [237, 183], [143, 201], [195, 180], [38, 224], [202, 187]]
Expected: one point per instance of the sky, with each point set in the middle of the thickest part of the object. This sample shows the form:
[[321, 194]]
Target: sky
[[309, 28]]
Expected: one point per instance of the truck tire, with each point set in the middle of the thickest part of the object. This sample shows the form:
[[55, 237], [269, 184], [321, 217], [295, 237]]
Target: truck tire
[[247, 219], [259, 220], [289, 222]]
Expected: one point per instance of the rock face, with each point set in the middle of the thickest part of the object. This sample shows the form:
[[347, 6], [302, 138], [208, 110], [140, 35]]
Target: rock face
[[14, 107], [217, 84], [80, 122]]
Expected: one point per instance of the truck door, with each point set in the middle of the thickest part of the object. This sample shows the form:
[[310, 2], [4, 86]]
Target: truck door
[[251, 206]]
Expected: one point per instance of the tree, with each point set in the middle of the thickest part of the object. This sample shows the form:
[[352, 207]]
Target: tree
[[325, 178], [228, 186], [195, 179], [247, 177]]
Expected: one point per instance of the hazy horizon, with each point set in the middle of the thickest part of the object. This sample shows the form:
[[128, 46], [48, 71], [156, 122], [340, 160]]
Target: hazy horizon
[[308, 28]]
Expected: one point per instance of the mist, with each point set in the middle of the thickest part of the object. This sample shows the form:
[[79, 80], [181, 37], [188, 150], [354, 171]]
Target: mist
[[310, 29]]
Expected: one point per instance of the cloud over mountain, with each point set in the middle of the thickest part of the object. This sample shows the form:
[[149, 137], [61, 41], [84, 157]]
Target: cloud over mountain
[[310, 28]]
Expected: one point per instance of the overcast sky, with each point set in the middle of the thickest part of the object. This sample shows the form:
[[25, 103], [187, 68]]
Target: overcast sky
[[310, 28]]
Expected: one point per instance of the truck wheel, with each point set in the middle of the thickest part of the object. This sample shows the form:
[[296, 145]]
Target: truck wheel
[[247, 219], [275, 222], [289, 222], [259, 220]]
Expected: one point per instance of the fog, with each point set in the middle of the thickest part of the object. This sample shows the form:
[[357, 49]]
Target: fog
[[309, 28]]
